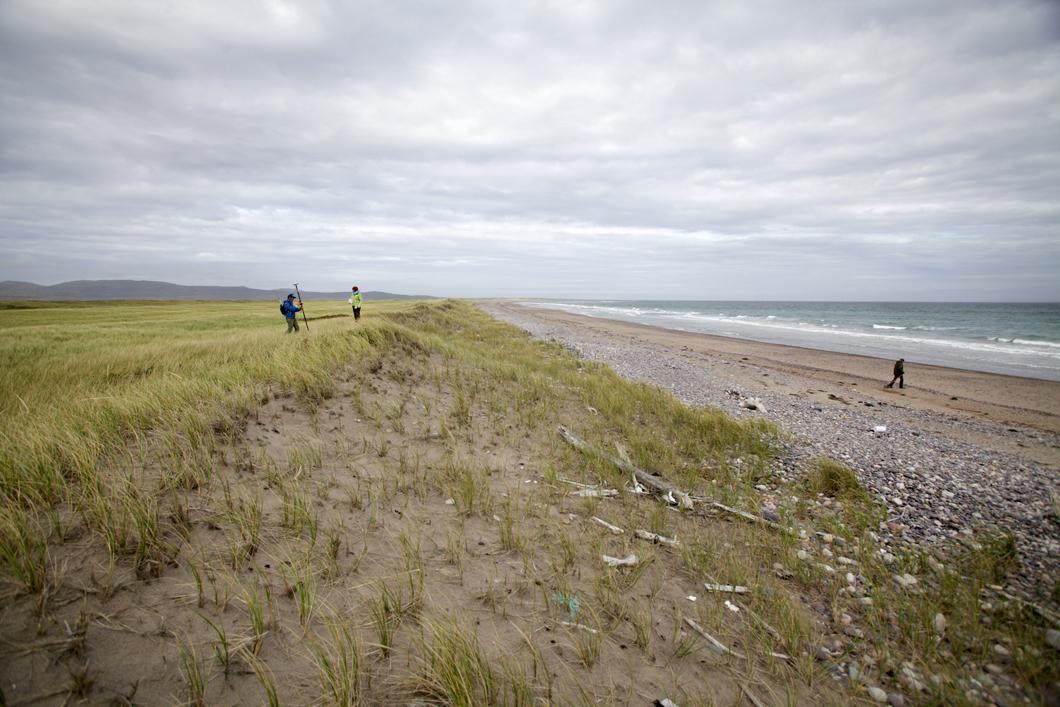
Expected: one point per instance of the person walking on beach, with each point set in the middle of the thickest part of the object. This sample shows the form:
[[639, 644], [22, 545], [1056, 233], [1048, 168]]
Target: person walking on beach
[[899, 374], [355, 300], [290, 312]]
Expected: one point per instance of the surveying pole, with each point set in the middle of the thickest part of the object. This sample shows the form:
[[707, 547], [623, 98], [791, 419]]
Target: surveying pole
[[301, 306]]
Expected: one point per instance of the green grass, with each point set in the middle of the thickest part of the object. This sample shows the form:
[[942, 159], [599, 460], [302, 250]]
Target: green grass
[[84, 379], [832, 478], [144, 443]]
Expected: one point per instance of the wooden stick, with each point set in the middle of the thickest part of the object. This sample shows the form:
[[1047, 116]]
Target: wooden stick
[[576, 483], [613, 528], [719, 647], [595, 493], [655, 538], [750, 695], [763, 623], [752, 517], [659, 485], [569, 624]]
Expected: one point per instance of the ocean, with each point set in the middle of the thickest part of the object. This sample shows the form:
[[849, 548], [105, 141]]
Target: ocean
[[1016, 339]]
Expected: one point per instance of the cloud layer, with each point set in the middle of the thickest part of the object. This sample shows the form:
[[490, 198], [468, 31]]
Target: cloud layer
[[761, 150]]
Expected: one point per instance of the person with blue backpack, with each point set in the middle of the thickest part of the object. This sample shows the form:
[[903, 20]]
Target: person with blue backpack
[[290, 312]]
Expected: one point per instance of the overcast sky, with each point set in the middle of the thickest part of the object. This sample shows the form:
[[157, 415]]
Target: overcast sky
[[890, 149]]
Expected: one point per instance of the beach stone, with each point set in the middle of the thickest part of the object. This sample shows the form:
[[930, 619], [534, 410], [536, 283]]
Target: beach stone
[[940, 624], [851, 579], [865, 601], [1052, 637], [895, 700], [770, 514], [1001, 651], [802, 555], [878, 695], [822, 654], [905, 580]]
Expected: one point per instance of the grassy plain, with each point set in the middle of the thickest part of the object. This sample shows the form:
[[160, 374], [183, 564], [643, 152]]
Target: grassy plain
[[198, 508]]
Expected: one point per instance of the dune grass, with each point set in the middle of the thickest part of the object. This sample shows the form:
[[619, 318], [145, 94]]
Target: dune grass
[[382, 510]]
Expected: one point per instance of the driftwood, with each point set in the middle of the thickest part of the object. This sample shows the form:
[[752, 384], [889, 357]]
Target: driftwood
[[730, 588], [752, 517], [655, 538], [576, 483], [660, 486], [613, 528], [763, 623], [628, 561], [751, 696], [580, 627], [719, 647], [595, 493]]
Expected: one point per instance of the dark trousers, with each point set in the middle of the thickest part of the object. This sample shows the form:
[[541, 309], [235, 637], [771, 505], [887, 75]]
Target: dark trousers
[[901, 381], [356, 313]]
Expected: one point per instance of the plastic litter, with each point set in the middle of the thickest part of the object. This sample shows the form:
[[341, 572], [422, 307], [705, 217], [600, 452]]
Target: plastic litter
[[568, 602]]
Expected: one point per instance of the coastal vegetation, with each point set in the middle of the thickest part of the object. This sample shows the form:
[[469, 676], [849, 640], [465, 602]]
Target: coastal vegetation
[[196, 507]]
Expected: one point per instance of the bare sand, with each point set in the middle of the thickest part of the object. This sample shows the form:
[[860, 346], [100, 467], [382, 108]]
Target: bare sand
[[1006, 401]]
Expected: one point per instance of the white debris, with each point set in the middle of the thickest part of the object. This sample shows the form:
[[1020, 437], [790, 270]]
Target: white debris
[[655, 538], [627, 561], [753, 404], [729, 588], [636, 489], [595, 493], [613, 528]]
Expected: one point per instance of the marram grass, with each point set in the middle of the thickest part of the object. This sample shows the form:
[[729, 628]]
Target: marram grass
[[119, 416]]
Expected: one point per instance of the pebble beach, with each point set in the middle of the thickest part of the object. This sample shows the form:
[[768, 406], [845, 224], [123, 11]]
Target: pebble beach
[[954, 452]]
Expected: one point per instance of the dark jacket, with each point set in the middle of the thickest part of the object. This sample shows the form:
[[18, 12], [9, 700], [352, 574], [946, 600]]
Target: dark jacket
[[289, 309], [899, 368]]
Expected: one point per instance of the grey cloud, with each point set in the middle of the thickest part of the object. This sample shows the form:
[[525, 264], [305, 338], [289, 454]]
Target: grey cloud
[[829, 151]]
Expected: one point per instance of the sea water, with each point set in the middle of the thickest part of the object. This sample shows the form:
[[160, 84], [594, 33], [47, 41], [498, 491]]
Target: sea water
[[1016, 339]]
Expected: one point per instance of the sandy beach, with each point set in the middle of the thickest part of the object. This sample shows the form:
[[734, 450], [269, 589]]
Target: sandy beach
[[962, 449], [814, 375]]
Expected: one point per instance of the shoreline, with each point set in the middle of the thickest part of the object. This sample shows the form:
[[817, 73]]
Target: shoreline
[[995, 397], [911, 341], [942, 467]]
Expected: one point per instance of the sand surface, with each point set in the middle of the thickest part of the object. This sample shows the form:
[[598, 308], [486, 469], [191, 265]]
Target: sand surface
[[1006, 401]]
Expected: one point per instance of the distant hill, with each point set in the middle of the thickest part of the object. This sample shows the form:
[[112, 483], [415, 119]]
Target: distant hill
[[150, 290]]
